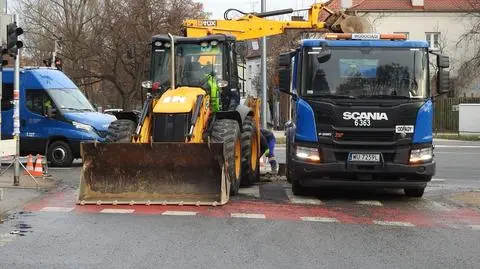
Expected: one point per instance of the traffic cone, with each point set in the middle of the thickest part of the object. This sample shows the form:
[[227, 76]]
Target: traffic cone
[[38, 172], [29, 165]]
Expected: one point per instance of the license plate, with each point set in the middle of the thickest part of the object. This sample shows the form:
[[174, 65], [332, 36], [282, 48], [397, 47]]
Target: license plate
[[365, 157]]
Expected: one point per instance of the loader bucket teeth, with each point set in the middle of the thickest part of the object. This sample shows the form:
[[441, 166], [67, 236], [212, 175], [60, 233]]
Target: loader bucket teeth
[[158, 173]]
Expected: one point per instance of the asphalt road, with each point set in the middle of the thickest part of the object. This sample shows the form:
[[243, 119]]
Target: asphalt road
[[92, 240]]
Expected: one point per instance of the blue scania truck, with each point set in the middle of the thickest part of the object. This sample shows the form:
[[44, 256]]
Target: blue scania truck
[[362, 111]]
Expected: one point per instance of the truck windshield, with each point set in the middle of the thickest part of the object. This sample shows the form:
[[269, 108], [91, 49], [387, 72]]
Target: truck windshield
[[70, 100], [193, 64], [365, 73]]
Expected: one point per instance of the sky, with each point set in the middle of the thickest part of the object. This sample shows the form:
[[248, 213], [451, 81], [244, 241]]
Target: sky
[[218, 7]]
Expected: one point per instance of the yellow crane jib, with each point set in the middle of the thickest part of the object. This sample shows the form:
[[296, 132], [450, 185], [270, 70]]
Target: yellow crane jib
[[255, 25]]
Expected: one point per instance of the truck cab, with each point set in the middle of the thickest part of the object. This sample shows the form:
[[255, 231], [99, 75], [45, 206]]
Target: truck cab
[[55, 116], [361, 112]]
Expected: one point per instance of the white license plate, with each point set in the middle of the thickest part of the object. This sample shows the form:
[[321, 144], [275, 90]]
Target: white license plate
[[365, 157]]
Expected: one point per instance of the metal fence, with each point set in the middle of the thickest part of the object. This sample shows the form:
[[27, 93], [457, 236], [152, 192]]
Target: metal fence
[[446, 113]]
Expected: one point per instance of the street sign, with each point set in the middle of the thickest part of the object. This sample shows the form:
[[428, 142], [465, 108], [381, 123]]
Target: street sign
[[5, 19]]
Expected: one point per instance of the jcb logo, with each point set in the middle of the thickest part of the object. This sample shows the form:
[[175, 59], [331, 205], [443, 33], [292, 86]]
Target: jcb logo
[[209, 23], [174, 99]]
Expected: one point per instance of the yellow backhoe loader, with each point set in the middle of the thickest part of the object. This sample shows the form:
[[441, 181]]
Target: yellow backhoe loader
[[193, 143]]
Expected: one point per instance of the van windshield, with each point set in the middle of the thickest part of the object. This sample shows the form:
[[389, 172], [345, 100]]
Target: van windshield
[[70, 100]]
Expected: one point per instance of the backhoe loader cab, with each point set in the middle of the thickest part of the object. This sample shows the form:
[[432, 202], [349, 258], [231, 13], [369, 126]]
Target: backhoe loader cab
[[207, 63], [193, 143]]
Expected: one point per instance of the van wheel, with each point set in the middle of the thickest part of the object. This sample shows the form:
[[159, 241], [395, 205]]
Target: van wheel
[[414, 192], [59, 154]]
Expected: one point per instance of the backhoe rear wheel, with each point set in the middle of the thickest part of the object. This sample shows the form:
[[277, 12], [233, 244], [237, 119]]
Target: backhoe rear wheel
[[250, 152], [120, 131], [227, 131]]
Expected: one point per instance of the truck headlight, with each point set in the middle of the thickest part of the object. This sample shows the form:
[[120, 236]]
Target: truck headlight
[[422, 155], [310, 154], [82, 126]]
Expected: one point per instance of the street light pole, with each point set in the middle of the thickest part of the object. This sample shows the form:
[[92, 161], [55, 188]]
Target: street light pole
[[264, 74]]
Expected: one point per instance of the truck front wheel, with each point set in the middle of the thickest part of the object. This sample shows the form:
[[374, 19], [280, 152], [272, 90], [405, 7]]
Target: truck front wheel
[[59, 154]]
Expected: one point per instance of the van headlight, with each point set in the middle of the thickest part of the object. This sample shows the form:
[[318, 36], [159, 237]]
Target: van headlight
[[82, 126], [305, 153], [421, 155]]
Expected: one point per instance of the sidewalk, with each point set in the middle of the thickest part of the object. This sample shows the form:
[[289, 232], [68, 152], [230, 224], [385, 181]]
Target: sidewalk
[[13, 197]]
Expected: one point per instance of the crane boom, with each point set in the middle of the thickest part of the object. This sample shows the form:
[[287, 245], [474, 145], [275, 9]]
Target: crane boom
[[255, 25]]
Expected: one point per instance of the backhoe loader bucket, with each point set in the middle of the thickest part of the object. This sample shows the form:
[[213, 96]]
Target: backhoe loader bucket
[[157, 173]]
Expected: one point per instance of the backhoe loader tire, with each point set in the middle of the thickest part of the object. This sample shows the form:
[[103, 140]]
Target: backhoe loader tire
[[227, 131], [250, 152], [120, 131]]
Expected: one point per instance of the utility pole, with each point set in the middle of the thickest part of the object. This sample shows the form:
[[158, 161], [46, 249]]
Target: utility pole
[[264, 73]]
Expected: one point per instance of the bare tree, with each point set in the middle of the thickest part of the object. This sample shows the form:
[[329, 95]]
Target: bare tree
[[105, 43]]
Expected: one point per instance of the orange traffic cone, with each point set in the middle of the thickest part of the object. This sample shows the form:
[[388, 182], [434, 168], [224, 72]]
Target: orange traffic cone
[[29, 165], [38, 172]]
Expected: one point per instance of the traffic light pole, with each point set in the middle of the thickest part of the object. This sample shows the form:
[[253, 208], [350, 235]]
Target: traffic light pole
[[16, 116], [16, 121]]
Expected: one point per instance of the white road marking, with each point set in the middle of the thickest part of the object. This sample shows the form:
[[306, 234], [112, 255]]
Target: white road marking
[[393, 223], [438, 179], [56, 209], [456, 146], [474, 227], [372, 203], [302, 199], [247, 216], [179, 213], [436, 206], [117, 211], [319, 219], [250, 191]]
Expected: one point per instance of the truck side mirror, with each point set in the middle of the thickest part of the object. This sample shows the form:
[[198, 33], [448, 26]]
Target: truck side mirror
[[443, 61], [284, 79], [443, 81]]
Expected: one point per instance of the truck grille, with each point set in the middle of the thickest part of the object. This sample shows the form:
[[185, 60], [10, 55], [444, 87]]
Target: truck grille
[[170, 127], [367, 136]]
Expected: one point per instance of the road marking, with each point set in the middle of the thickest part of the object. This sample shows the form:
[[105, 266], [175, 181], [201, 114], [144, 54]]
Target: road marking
[[56, 209], [319, 219], [59, 168], [179, 213], [438, 179], [117, 211], [393, 223], [373, 203], [247, 216], [302, 200], [251, 191], [474, 227], [456, 146]]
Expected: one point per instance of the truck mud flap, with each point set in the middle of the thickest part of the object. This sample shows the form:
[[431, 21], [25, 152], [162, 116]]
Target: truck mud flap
[[157, 173]]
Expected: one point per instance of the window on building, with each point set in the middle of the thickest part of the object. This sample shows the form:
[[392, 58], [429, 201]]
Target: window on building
[[433, 39], [36, 101], [7, 97], [405, 33]]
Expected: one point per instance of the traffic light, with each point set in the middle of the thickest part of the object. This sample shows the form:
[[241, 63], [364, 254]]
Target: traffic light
[[13, 44], [58, 63]]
